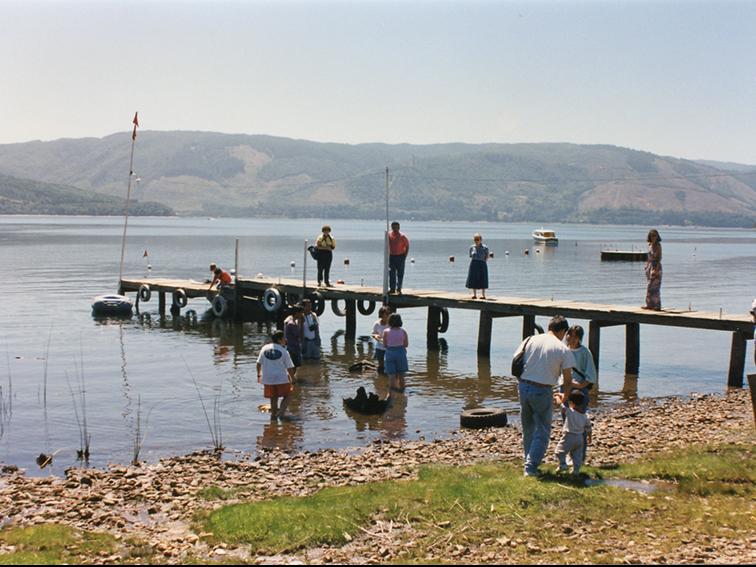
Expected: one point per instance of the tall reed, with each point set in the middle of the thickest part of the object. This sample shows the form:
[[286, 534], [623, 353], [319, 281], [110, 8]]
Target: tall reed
[[139, 436], [216, 432], [80, 409]]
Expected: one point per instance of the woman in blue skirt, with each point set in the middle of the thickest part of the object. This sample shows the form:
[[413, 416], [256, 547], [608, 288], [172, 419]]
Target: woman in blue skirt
[[477, 275]]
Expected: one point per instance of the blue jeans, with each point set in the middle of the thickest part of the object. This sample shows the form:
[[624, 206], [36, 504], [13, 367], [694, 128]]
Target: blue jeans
[[535, 415], [396, 272]]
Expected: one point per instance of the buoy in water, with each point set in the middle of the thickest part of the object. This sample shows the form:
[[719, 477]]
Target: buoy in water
[[412, 260], [451, 258], [538, 251], [346, 261], [506, 252], [292, 264], [526, 252]]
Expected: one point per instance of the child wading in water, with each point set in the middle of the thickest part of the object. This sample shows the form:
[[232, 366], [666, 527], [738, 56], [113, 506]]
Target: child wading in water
[[396, 342], [275, 371], [576, 424], [380, 325]]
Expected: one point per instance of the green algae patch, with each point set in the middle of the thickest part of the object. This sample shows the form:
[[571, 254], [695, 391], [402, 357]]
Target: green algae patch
[[50, 544]]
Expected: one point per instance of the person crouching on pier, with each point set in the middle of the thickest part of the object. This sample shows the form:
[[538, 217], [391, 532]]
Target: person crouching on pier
[[275, 371], [396, 341]]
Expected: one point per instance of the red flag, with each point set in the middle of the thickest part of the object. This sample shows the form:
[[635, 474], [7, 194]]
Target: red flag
[[136, 123], [145, 254]]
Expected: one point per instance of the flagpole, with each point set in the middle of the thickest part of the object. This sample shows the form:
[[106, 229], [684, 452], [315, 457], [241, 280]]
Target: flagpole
[[386, 245], [128, 199]]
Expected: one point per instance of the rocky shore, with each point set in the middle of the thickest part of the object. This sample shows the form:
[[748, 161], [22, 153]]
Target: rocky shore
[[156, 504]]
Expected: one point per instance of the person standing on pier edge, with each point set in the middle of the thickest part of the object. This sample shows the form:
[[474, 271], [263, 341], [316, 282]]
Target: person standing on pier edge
[[396, 341], [545, 357], [310, 332], [325, 245], [477, 274], [653, 271], [275, 371], [398, 250], [293, 334]]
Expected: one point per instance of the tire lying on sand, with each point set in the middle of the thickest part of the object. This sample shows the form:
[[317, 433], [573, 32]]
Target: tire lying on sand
[[483, 417]]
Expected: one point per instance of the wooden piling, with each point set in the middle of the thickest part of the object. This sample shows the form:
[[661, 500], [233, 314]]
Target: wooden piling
[[594, 341], [161, 303], [485, 326], [528, 326], [632, 348], [737, 359], [434, 321], [351, 319]]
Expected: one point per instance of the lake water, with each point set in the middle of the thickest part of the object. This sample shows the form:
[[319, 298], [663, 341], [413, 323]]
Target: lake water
[[54, 266]]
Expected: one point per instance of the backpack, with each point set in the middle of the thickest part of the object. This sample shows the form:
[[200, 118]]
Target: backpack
[[313, 252], [518, 362]]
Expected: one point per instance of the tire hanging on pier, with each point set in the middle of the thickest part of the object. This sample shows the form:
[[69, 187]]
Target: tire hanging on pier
[[335, 308], [179, 298], [220, 306], [145, 293], [444, 325], [318, 304], [272, 300], [365, 310]]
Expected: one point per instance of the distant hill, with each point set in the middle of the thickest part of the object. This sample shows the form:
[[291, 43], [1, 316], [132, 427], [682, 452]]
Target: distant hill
[[727, 165], [241, 175], [24, 196]]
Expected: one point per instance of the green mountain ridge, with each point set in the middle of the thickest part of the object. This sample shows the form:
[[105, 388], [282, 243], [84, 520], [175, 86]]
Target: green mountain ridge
[[25, 196], [216, 174]]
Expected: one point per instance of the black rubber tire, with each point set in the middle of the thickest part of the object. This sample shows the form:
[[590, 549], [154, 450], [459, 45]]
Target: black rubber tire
[[179, 298], [272, 300], [483, 417], [220, 306], [444, 325], [366, 310], [318, 304], [335, 308], [145, 293]]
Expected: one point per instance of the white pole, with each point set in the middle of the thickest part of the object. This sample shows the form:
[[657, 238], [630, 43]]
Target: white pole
[[126, 212], [304, 271], [386, 245]]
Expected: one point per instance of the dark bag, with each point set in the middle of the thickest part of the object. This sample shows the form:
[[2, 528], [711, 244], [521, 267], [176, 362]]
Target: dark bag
[[518, 362], [313, 252]]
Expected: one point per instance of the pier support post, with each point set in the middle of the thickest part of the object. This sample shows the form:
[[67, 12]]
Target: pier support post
[[737, 359], [632, 348], [484, 333], [161, 303], [351, 319], [528, 326], [594, 341], [434, 321]]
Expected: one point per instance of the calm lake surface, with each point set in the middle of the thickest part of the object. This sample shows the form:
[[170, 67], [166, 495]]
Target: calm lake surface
[[54, 266]]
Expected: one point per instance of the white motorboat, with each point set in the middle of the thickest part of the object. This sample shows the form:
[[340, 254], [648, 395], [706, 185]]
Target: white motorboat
[[545, 236]]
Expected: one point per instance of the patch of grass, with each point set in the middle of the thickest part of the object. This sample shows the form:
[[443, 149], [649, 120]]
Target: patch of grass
[[215, 493], [724, 469], [51, 544], [493, 509]]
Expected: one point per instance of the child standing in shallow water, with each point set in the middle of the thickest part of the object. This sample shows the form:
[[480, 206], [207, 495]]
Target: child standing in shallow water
[[576, 424], [396, 342]]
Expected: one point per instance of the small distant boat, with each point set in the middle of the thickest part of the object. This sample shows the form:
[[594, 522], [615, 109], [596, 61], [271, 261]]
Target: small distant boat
[[545, 236], [112, 306]]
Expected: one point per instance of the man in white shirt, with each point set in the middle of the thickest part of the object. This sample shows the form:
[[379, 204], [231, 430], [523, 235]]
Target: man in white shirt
[[275, 371], [546, 357]]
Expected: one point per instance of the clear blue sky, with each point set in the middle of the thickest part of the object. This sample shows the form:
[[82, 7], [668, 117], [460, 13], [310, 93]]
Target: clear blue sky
[[676, 78]]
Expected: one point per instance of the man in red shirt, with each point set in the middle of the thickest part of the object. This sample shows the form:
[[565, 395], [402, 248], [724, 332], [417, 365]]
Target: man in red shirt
[[398, 250], [221, 277]]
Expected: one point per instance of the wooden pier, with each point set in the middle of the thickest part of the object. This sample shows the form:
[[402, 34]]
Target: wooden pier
[[363, 299]]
